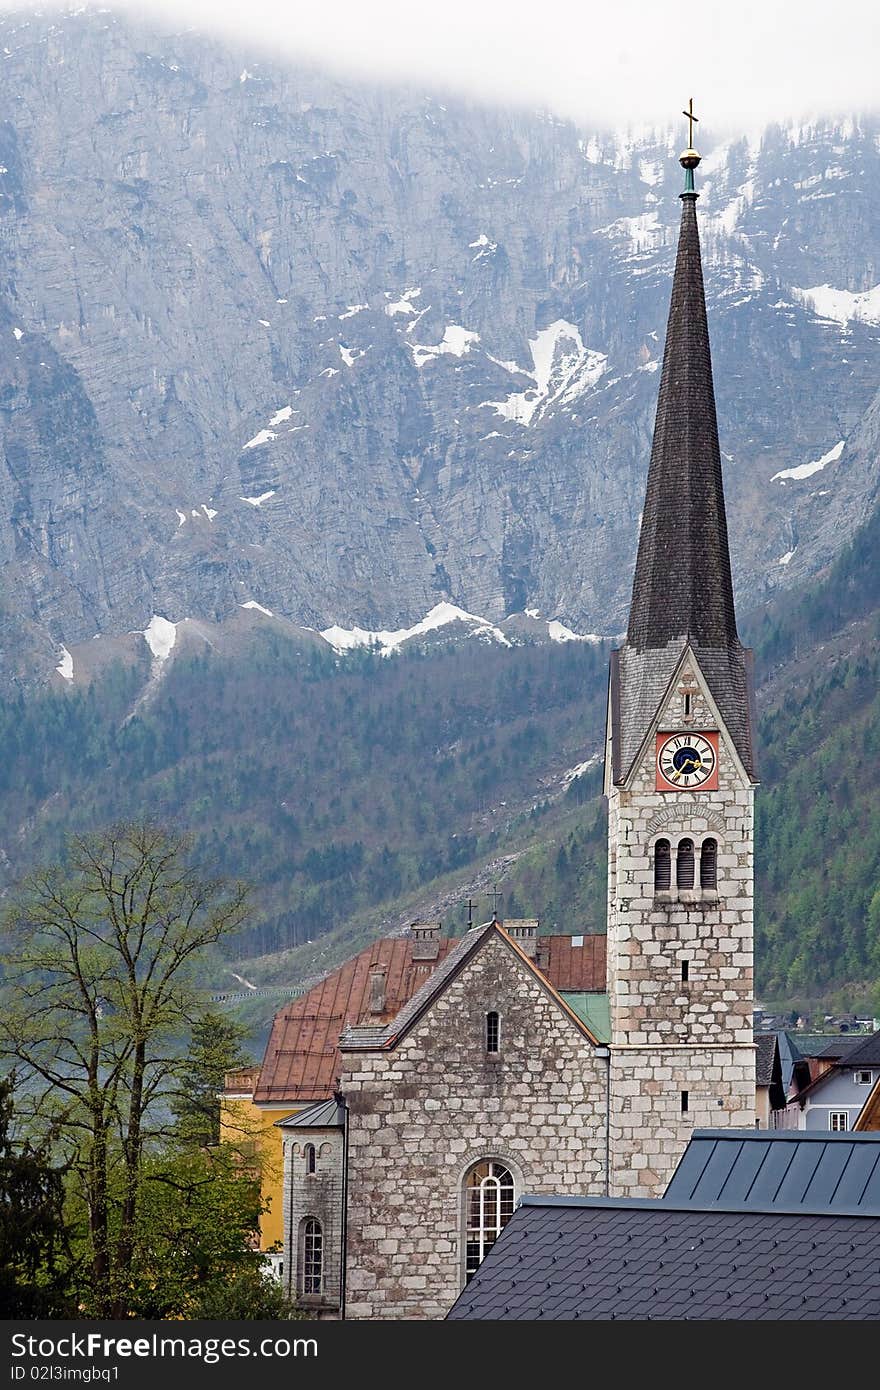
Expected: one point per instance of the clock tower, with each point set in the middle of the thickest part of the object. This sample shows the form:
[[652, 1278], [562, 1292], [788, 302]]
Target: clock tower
[[680, 779]]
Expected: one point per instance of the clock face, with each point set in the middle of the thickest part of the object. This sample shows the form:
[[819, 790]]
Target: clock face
[[687, 762]]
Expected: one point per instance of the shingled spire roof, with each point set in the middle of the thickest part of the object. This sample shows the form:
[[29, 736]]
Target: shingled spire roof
[[682, 585], [682, 590]]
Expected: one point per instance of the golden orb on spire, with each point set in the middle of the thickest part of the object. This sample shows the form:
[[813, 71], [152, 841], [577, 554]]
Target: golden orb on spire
[[689, 159]]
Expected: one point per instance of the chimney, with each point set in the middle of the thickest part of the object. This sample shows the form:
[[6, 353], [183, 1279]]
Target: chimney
[[377, 989], [425, 940], [524, 931]]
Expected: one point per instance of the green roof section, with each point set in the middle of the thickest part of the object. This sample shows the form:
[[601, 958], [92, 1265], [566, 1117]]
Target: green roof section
[[592, 1009]]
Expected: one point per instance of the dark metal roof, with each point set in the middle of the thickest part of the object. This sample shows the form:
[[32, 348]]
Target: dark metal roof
[[598, 1259], [789, 1170], [327, 1114], [682, 590]]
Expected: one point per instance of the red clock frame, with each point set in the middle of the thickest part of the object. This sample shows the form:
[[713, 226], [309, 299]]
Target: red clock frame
[[662, 784]]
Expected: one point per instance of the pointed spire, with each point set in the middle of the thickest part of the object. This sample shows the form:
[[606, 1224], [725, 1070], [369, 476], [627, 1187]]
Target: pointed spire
[[682, 585], [682, 590]]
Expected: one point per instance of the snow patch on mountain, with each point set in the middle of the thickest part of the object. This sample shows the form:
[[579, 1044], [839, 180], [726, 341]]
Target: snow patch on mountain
[[160, 636], [841, 306], [65, 665], [562, 370], [258, 501], [456, 341], [558, 632], [343, 639], [403, 305], [806, 470], [580, 768], [252, 603]]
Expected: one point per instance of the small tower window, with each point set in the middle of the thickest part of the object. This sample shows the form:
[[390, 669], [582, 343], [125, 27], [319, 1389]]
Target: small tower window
[[685, 971], [310, 1158], [684, 869], [684, 1102], [709, 864], [662, 867], [311, 1252], [687, 706], [493, 1032]]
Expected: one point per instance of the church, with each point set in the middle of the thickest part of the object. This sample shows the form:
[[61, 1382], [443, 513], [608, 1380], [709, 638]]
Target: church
[[414, 1095]]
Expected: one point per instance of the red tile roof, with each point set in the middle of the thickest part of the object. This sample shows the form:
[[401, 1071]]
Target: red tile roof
[[301, 1062]]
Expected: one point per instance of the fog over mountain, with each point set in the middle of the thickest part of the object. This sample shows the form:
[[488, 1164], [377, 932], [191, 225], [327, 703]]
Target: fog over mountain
[[346, 353]]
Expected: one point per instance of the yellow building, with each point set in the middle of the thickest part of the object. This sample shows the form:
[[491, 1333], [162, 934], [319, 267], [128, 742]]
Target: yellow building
[[251, 1126]]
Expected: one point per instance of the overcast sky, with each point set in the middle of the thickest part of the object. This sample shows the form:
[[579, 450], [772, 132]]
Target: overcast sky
[[619, 62]]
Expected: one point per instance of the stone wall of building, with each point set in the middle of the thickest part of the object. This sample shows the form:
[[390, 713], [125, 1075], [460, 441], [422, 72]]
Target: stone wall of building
[[423, 1113], [670, 1034], [318, 1195]]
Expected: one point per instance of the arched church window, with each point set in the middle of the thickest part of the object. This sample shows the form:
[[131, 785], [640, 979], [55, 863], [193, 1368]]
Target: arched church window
[[493, 1032], [310, 1158], [311, 1257], [489, 1199], [684, 868], [662, 866], [709, 864]]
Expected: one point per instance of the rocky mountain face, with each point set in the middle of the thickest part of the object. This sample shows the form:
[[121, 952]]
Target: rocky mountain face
[[347, 354]]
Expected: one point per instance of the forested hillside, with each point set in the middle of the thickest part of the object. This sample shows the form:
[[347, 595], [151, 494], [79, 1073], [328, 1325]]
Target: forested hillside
[[356, 794]]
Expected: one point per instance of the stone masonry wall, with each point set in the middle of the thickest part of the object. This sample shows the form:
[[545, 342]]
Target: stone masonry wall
[[671, 1035], [421, 1114], [317, 1194]]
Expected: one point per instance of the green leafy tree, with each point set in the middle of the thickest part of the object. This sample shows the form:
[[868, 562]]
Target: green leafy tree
[[216, 1047], [33, 1234], [100, 989]]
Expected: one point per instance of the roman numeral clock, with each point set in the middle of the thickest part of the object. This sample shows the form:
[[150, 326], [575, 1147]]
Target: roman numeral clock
[[687, 762]]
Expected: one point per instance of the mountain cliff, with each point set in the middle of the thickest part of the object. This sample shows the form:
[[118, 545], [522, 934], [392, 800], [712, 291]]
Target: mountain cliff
[[347, 353]]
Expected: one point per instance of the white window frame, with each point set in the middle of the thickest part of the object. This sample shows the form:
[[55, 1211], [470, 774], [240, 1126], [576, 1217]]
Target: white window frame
[[491, 1218], [311, 1253], [838, 1115], [857, 1078]]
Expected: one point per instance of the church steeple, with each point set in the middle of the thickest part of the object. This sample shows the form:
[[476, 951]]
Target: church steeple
[[682, 585], [682, 589]]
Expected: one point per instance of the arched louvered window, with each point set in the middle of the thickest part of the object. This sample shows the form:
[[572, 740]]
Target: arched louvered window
[[493, 1032], [311, 1257], [662, 866], [684, 868], [709, 864], [310, 1158], [489, 1199]]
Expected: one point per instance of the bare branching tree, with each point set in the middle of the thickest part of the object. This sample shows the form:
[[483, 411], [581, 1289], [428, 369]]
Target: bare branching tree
[[101, 988]]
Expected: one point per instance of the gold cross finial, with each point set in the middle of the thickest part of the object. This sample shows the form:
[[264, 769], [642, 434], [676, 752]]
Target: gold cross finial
[[691, 118]]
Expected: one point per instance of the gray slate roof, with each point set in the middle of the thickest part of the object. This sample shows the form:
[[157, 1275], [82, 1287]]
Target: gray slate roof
[[765, 1053], [865, 1053], [790, 1170], [564, 1259], [682, 590], [324, 1114]]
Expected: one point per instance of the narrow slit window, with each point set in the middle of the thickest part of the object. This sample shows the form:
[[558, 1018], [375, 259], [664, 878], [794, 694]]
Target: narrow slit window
[[685, 970], [662, 866], [684, 1102], [709, 864], [684, 869], [311, 1161], [687, 706], [493, 1032]]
